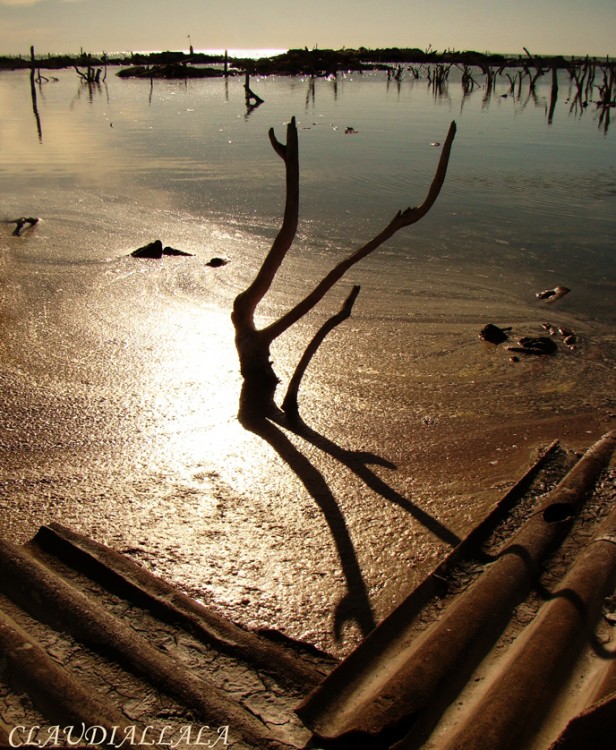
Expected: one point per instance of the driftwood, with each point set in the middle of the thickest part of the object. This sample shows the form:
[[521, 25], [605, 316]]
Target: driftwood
[[553, 294], [21, 223], [253, 345], [536, 345]]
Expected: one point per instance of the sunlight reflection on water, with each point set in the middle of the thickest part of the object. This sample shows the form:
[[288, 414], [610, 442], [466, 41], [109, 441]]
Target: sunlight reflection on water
[[120, 378]]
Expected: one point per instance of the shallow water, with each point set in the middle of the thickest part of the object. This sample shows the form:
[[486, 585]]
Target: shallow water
[[119, 377]]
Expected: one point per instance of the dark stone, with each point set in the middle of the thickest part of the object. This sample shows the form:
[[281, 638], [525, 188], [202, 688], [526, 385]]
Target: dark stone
[[493, 334], [217, 262], [538, 345], [153, 250]]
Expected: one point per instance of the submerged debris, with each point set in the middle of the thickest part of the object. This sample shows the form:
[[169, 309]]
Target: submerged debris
[[568, 335], [553, 294], [552, 330], [21, 222], [535, 345]]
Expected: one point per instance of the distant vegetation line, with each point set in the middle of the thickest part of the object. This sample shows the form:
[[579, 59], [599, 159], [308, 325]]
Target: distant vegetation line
[[293, 62]]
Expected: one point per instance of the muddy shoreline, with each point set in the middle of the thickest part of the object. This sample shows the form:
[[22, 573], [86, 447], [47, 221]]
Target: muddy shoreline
[[231, 519]]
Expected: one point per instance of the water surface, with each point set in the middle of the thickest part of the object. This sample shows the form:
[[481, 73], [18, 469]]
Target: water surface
[[119, 377]]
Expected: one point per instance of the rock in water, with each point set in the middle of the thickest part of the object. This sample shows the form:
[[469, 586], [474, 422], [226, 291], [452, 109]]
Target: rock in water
[[493, 334], [153, 250], [539, 345]]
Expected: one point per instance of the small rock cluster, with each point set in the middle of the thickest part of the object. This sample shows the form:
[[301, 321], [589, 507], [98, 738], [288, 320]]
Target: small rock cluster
[[534, 345], [568, 335], [156, 251]]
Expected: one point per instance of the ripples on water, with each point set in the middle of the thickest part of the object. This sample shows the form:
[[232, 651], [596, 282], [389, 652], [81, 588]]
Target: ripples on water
[[119, 377], [191, 147]]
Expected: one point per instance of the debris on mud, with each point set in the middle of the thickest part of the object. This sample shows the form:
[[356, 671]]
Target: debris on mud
[[553, 294]]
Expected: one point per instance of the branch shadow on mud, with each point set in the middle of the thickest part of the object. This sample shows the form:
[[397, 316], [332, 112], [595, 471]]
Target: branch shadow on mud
[[359, 462], [355, 605]]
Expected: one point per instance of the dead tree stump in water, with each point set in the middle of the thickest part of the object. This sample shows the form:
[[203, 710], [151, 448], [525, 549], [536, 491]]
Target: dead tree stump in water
[[252, 100], [252, 344]]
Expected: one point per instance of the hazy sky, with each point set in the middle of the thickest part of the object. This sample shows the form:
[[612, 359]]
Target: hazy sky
[[544, 26]]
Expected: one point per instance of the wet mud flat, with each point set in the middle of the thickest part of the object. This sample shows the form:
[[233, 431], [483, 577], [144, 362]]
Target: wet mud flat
[[122, 425], [79, 620]]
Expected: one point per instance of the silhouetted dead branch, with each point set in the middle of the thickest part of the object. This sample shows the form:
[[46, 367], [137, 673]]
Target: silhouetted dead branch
[[468, 82], [91, 75], [490, 78], [553, 96], [607, 89], [290, 403], [539, 70], [253, 345], [37, 117], [252, 100], [437, 78]]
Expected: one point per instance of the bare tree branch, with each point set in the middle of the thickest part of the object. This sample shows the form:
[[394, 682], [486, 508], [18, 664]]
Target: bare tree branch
[[289, 405], [278, 147], [246, 302], [253, 346], [402, 219]]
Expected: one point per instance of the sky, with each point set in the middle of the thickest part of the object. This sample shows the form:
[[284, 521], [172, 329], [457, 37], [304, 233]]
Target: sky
[[568, 27]]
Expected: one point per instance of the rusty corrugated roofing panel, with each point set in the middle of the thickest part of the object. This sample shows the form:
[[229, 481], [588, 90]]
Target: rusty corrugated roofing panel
[[395, 674]]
